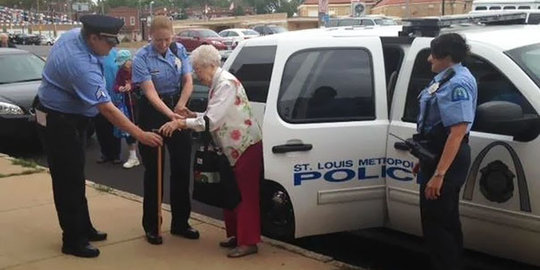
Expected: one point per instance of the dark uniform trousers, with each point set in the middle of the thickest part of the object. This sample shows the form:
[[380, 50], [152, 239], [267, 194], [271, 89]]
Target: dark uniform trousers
[[64, 139], [440, 218], [179, 147], [108, 143]]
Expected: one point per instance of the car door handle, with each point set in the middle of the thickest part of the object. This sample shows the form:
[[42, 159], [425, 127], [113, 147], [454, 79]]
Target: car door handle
[[401, 146], [284, 148]]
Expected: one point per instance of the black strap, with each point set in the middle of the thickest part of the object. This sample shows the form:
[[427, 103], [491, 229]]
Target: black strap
[[446, 77], [174, 49]]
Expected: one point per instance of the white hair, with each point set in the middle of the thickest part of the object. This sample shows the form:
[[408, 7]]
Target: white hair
[[205, 55]]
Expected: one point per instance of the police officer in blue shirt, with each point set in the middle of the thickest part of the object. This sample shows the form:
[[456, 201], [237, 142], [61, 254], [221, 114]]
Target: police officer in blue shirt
[[71, 92], [164, 75], [447, 111]]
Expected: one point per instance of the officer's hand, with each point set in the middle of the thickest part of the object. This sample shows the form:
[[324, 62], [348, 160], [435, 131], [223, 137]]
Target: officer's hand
[[433, 188], [185, 112], [150, 138], [416, 169], [175, 116], [127, 87]]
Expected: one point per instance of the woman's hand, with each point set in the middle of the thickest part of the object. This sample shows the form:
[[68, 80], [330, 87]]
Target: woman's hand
[[170, 127], [185, 112], [122, 89], [433, 187], [127, 88]]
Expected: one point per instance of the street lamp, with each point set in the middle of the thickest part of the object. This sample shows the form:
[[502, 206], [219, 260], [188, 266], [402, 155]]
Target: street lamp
[[151, 12]]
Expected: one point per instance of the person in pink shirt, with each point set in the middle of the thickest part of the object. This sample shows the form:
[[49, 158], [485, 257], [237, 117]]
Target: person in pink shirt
[[125, 102]]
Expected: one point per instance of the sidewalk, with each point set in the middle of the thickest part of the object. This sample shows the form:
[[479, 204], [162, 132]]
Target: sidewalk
[[31, 238]]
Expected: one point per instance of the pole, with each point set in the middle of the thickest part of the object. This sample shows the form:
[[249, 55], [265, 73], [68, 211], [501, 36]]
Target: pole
[[443, 4], [407, 9]]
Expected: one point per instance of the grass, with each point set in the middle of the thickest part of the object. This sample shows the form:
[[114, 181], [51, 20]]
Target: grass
[[103, 188], [25, 163]]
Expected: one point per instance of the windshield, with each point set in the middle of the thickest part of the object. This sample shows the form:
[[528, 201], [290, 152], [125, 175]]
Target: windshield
[[20, 67], [208, 33], [528, 58], [277, 29], [385, 22], [250, 33]]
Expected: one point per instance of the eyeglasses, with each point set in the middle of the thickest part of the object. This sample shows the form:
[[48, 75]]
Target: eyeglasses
[[110, 39]]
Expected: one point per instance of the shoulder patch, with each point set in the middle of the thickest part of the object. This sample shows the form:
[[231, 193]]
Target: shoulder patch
[[100, 93], [459, 93]]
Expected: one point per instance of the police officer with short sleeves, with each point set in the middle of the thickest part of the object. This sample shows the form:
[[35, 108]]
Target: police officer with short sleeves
[[447, 111], [72, 91], [164, 75]]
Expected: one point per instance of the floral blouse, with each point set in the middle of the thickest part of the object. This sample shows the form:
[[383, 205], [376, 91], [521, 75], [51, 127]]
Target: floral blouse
[[231, 120]]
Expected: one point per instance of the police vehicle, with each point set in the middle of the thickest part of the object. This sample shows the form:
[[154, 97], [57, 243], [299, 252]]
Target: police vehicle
[[328, 100]]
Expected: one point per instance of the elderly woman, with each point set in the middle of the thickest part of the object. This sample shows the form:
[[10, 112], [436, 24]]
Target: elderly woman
[[235, 130]]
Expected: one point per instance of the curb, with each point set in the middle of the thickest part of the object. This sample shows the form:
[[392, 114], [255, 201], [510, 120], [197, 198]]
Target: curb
[[220, 224]]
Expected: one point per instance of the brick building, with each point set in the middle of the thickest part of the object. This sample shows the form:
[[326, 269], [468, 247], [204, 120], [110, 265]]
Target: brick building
[[420, 8], [336, 8], [132, 24], [398, 8]]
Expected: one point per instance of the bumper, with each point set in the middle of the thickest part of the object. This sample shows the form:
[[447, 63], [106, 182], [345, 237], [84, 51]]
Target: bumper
[[17, 128]]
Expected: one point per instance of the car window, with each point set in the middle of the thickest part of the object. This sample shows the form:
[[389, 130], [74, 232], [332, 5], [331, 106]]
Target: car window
[[367, 22], [249, 33], [276, 29], [20, 67], [492, 85], [481, 8], [509, 7], [327, 85], [184, 34], [224, 33], [233, 34], [207, 33], [534, 18], [253, 67], [495, 8]]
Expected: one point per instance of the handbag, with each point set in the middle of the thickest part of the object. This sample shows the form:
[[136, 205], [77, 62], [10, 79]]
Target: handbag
[[213, 178]]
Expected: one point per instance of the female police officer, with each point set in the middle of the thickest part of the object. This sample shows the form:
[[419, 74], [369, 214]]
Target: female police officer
[[161, 74], [71, 92], [447, 109]]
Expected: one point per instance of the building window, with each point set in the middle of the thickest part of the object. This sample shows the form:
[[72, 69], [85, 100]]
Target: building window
[[132, 20]]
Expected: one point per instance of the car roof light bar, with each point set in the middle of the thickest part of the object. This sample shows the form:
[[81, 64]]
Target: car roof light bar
[[431, 26]]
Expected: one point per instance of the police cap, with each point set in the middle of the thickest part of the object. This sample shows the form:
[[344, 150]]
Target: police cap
[[105, 26]]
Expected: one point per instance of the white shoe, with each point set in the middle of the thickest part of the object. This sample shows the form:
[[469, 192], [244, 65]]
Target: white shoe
[[130, 163]]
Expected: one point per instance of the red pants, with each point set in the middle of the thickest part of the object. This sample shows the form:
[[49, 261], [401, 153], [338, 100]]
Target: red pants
[[245, 222]]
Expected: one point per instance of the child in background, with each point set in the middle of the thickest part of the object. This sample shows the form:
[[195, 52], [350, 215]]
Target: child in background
[[125, 103]]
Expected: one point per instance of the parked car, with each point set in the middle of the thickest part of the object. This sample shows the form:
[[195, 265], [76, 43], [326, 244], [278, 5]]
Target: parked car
[[193, 38], [269, 29], [233, 36], [369, 20], [20, 77], [46, 40], [26, 39]]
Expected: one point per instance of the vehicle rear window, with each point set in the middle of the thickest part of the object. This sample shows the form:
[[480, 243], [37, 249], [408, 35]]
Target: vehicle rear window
[[253, 67], [208, 33], [250, 33], [534, 18], [20, 67], [327, 85], [528, 58]]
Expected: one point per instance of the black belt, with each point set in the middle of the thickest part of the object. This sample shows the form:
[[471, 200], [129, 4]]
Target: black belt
[[170, 99], [74, 118]]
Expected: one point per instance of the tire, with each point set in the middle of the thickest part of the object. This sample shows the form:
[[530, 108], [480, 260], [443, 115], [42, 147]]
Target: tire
[[277, 215]]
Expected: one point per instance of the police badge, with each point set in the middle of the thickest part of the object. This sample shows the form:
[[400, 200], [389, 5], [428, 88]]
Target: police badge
[[178, 64], [433, 88]]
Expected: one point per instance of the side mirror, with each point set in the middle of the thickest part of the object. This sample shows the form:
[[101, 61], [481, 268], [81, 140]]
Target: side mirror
[[507, 118]]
